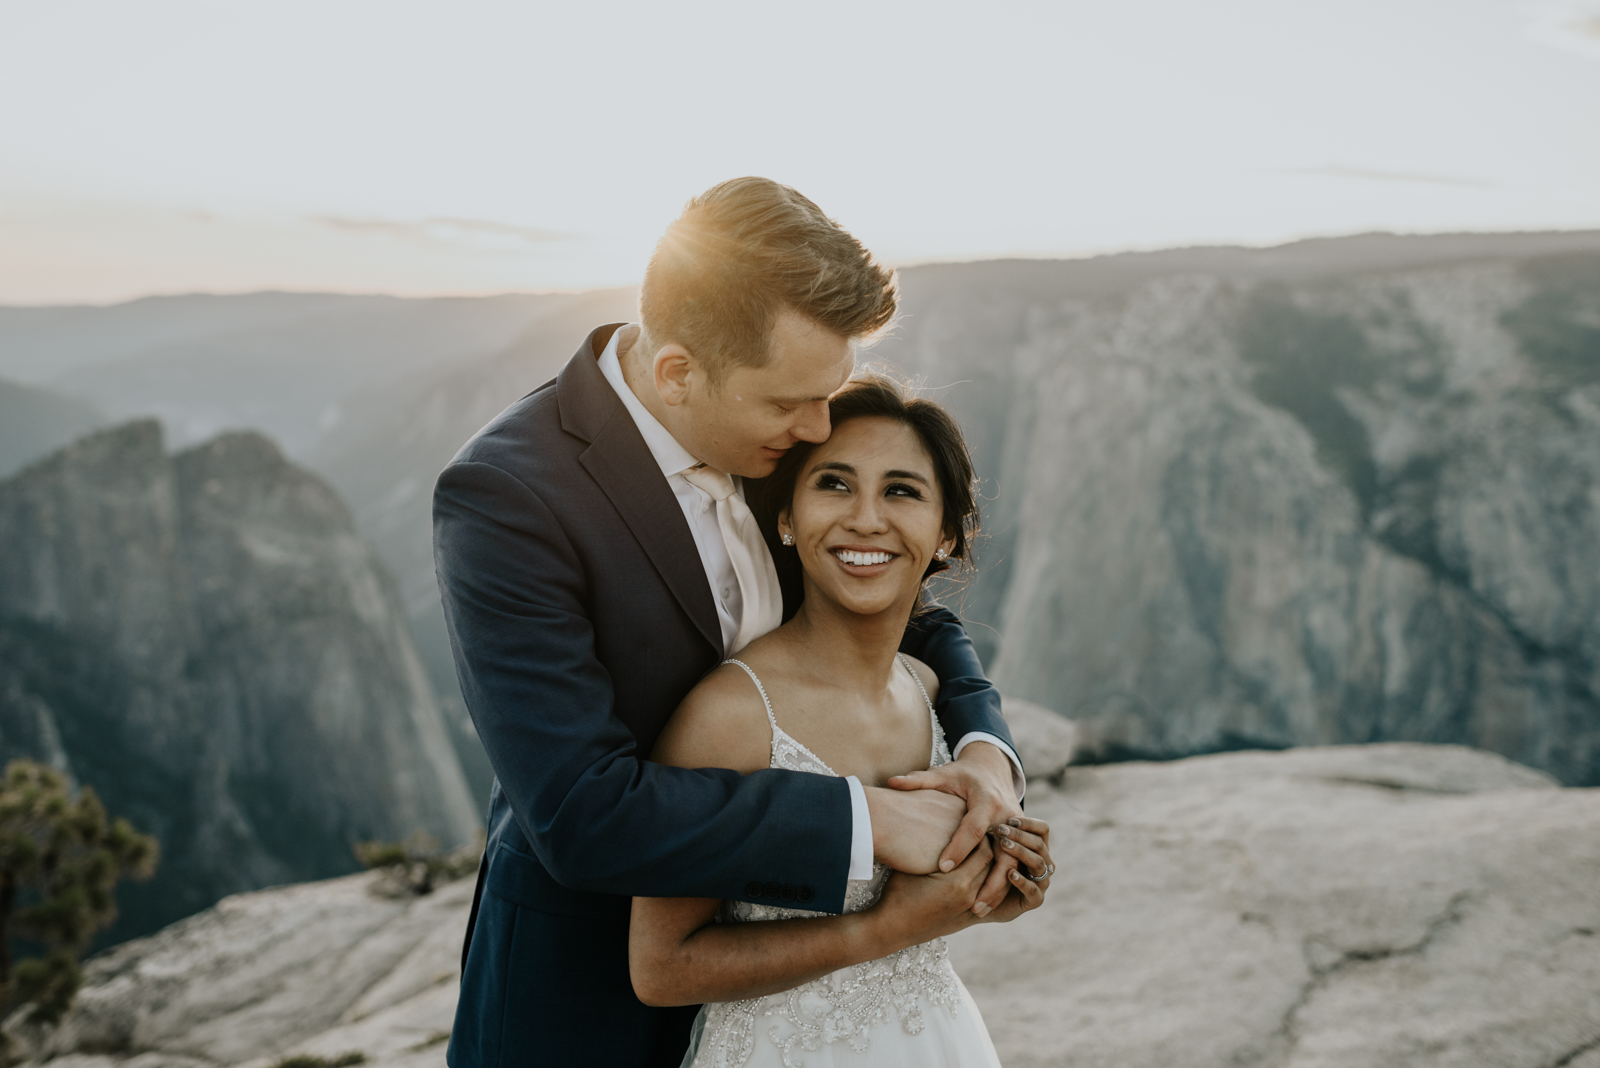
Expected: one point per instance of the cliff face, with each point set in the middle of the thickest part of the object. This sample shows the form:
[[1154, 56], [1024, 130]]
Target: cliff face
[[1245, 507], [205, 639], [1344, 490]]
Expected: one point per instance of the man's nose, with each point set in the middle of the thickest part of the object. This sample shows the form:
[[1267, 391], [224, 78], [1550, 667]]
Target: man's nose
[[812, 423]]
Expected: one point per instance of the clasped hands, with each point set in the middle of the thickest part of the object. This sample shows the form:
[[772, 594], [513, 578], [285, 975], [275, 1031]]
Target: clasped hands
[[935, 829]]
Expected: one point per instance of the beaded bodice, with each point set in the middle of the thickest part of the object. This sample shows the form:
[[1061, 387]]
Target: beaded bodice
[[848, 1003]]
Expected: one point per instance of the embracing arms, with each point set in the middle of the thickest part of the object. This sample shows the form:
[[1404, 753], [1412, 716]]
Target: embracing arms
[[549, 686], [986, 777], [524, 612], [678, 956]]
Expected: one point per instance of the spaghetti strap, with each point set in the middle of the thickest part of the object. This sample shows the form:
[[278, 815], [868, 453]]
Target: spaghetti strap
[[764, 698], [933, 717], [914, 678]]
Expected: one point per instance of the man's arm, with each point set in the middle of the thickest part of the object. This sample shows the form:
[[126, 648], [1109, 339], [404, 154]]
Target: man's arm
[[597, 815], [986, 772], [968, 702]]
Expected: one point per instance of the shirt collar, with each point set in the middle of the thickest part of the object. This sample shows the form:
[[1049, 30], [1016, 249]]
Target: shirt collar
[[669, 454]]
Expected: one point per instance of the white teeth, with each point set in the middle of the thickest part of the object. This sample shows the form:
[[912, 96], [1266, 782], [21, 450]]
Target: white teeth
[[862, 559]]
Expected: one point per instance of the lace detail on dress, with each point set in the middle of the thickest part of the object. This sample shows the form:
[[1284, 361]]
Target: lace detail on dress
[[850, 1002]]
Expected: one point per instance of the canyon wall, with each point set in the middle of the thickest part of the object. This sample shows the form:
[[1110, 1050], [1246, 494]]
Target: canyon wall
[[1238, 503], [205, 639]]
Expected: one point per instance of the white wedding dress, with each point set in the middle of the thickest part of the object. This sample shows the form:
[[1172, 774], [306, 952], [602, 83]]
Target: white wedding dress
[[906, 1010]]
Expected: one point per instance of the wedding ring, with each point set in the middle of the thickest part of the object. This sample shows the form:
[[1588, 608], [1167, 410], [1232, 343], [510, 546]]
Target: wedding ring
[[1049, 870]]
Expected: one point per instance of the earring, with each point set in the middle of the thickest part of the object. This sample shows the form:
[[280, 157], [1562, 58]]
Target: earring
[[788, 539], [940, 554]]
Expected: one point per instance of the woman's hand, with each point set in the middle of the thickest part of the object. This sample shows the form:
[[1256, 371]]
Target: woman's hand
[[1028, 841], [916, 908]]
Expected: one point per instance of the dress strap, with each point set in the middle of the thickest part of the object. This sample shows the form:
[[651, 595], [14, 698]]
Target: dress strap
[[914, 678], [764, 698], [933, 717]]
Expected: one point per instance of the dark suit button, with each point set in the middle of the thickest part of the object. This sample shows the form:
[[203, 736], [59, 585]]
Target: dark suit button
[[806, 894], [772, 890], [788, 891], [754, 890]]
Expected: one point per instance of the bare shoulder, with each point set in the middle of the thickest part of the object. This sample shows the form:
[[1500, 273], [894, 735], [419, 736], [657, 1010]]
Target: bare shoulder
[[722, 723], [925, 675]]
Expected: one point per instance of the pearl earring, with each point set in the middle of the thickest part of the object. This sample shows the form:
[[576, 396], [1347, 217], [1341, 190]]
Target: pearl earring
[[940, 554], [788, 539]]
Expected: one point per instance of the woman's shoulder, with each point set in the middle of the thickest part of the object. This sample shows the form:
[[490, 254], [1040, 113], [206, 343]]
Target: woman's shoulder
[[722, 723]]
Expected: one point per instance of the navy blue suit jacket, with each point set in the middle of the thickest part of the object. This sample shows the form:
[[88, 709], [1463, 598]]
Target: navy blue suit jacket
[[580, 615]]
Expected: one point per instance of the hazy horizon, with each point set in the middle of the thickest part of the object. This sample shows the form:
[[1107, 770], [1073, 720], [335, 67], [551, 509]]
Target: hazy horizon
[[952, 261]]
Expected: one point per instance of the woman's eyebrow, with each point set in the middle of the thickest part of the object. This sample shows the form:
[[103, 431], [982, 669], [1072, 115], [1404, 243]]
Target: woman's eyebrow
[[847, 469]]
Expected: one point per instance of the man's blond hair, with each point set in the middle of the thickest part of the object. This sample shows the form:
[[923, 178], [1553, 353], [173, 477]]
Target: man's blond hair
[[743, 251]]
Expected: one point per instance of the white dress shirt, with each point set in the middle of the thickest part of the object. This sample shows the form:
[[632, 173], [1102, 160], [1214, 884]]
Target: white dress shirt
[[701, 512]]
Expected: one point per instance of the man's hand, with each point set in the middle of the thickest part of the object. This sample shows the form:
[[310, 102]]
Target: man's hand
[[981, 778], [910, 828]]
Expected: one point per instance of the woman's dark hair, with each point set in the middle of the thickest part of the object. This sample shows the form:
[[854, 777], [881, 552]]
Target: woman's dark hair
[[875, 394]]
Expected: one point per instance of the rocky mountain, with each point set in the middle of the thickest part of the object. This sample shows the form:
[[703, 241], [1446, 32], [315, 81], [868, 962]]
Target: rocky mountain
[[1408, 906], [375, 393], [205, 639], [276, 362], [1346, 491], [391, 443], [36, 422]]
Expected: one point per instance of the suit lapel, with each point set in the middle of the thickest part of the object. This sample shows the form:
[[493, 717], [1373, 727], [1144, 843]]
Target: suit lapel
[[621, 464]]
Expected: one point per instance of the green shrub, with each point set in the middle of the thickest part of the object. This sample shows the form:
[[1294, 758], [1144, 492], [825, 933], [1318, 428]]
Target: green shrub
[[418, 865], [60, 860]]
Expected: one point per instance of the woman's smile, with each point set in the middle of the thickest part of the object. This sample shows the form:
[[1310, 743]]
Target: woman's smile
[[863, 561]]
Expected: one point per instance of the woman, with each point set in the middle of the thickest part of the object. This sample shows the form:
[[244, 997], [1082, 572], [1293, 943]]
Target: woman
[[872, 512]]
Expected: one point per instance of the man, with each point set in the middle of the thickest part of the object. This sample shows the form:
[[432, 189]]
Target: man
[[595, 560]]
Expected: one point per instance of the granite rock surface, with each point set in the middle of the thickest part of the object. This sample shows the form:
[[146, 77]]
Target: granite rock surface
[[1403, 905]]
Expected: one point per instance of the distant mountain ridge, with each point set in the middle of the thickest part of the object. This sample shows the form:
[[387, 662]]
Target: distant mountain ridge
[[276, 362], [1340, 490], [35, 422], [206, 640], [376, 393]]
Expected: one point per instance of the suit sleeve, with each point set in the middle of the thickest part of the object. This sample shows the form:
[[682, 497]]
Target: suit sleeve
[[596, 813], [968, 701]]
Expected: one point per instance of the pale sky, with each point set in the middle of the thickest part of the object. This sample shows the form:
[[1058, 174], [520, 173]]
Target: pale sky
[[149, 146]]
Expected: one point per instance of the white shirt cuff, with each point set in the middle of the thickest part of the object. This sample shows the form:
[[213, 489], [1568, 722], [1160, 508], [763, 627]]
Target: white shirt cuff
[[860, 831], [1018, 779]]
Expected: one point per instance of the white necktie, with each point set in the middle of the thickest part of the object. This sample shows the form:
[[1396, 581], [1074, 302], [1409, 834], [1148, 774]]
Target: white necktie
[[747, 551]]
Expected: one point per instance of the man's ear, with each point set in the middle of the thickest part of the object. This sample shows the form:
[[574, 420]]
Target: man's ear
[[673, 366]]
